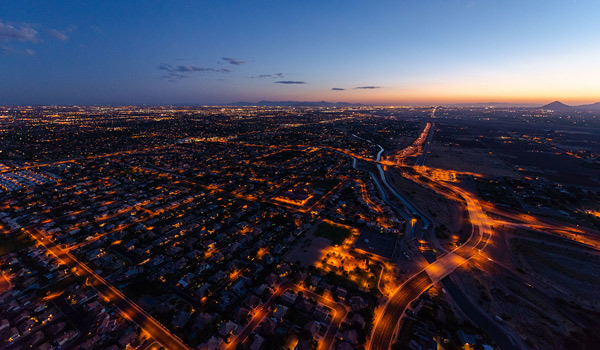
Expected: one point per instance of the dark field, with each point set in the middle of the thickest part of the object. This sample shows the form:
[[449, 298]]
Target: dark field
[[337, 234]]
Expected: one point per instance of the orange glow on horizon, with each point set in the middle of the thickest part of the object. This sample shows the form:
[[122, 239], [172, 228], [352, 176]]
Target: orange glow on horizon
[[455, 93]]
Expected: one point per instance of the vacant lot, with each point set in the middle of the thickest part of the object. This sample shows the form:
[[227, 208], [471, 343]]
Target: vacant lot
[[573, 270], [335, 233], [11, 244], [283, 156], [473, 160]]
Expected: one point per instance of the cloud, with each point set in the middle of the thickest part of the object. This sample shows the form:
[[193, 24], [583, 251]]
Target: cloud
[[262, 76], [368, 87], [290, 82], [185, 71], [233, 61], [9, 51], [190, 68], [337, 89], [22, 33], [58, 34]]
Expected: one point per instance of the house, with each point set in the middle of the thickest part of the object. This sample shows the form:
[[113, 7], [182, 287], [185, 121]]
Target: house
[[301, 276], [344, 346], [13, 334], [313, 327], [466, 338], [321, 312], [358, 303], [55, 329], [304, 344], [269, 326], [257, 342], [213, 343], [289, 297], [272, 279], [241, 314], [127, 339], [357, 318], [46, 346], [201, 291], [341, 292], [252, 301], [314, 281], [228, 328], [203, 319], [238, 286], [181, 319], [280, 312], [305, 305], [67, 337], [351, 336], [260, 290]]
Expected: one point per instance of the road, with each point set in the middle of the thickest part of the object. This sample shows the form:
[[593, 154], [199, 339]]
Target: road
[[410, 209], [4, 283], [407, 204], [257, 317], [128, 308], [385, 326], [425, 148], [339, 313], [482, 320], [434, 272]]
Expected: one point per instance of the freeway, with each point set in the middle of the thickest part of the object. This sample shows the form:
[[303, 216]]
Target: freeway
[[436, 271], [420, 161], [407, 204], [423, 156], [432, 273], [418, 148], [128, 308], [410, 211], [415, 149], [385, 326]]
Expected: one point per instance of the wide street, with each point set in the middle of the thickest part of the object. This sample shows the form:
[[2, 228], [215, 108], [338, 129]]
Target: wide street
[[386, 324], [128, 308]]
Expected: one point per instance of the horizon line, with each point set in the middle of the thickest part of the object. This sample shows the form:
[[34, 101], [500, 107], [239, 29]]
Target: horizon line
[[233, 104]]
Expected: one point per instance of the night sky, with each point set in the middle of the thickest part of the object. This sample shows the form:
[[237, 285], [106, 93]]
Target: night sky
[[380, 52]]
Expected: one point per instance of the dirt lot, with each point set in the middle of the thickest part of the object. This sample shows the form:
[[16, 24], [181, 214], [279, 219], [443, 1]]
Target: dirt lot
[[440, 209], [475, 160], [552, 297], [309, 251], [573, 271]]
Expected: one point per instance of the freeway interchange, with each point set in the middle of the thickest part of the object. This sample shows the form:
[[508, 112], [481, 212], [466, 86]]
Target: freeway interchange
[[387, 322]]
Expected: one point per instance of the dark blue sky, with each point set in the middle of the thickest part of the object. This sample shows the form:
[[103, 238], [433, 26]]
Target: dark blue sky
[[389, 52]]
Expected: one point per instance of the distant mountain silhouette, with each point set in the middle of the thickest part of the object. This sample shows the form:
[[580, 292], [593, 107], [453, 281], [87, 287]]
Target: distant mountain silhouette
[[558, 106], [590, 107], [297, 104], [493, 104]]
